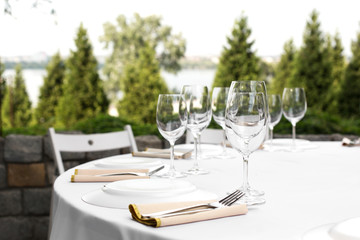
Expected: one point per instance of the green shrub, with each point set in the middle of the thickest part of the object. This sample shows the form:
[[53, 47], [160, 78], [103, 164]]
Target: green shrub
[[106, 123], [316, 122], [32, 130]]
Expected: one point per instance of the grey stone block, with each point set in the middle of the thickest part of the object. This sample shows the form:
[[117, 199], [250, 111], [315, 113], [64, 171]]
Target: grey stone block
[[16, 228], [51, 172], [40, 228], [47, 147], [72, 164], [101, 154], [24, 149], [2, 142], [10, 202], [37, 201], [2, 176], [148, 141]]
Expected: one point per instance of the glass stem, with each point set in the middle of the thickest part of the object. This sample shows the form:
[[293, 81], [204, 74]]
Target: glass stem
[[172, 167], [196, 143], [246, 169], [271, 138], [293, 136], [245, 172], [224, 143]]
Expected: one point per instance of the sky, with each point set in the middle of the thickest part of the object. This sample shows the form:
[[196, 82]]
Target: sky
[[204, 24]]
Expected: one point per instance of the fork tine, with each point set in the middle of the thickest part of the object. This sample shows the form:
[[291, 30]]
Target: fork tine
[[229, 196], [233, 196], [235, 199]]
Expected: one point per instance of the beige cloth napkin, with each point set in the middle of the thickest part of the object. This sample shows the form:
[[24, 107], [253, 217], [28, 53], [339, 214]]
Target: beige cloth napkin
[[347, 142], [137, 210], [88, 175], [106, 171], [163, 153]]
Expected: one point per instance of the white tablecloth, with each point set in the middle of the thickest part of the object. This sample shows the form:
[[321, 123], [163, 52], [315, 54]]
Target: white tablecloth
[[303, 190]]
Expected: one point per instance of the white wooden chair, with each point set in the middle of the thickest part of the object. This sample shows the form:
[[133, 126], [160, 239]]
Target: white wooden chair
[[89, 143], [208, 136]]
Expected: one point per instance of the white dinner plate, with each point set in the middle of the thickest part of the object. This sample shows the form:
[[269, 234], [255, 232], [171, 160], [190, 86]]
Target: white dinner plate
[[344, 230], [127, 162], [120, 195], [318, 233], [286, 144], [149, 187]]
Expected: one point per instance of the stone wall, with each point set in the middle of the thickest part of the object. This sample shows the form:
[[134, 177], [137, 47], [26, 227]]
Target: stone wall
[[27, 173]]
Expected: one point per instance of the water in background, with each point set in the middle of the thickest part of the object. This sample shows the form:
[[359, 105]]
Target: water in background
[[34, 79]]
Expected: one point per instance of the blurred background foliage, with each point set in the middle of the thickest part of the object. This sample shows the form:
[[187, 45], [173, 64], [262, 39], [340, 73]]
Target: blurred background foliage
[[75, 97]]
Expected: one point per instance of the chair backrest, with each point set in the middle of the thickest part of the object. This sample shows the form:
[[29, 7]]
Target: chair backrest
[[89, 143], [210, 136]]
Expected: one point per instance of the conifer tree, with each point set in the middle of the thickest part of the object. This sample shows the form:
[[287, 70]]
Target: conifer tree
[[17, 106], [83, 94], [237, 61], [2, 92], [349, 98], [312, 70], [51, 91], [337, 64], [142, 86], [284, 69]]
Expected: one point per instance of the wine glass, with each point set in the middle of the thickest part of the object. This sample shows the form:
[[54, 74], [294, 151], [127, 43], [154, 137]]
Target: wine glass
[[294, 108], [245, 118], [218, 105], [199, 115], [254, 86], [171, 120], [275, 112], [257, 141]]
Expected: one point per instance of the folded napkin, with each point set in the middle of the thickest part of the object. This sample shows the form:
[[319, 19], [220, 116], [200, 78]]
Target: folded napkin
[[163, 153], [107, 171], [90, 178], [89, 175], [137, 210], [349, 143]]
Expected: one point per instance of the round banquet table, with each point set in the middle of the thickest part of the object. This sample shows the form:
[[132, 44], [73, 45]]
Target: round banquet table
[[303, 190]]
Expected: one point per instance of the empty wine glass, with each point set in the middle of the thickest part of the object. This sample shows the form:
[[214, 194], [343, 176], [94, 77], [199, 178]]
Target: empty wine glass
[[245, 118], [294, 108], [275, 112], [253, 86], [171, 119], [218, 105], [199, 115]]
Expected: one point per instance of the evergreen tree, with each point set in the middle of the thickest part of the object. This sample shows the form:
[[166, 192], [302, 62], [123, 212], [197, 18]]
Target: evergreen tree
[[312, 69], [17, 106], [237, 61], [349, 98], [337, 64], [83, 94], [142, 86], [284, 69], [50, 92], [2, 92]]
